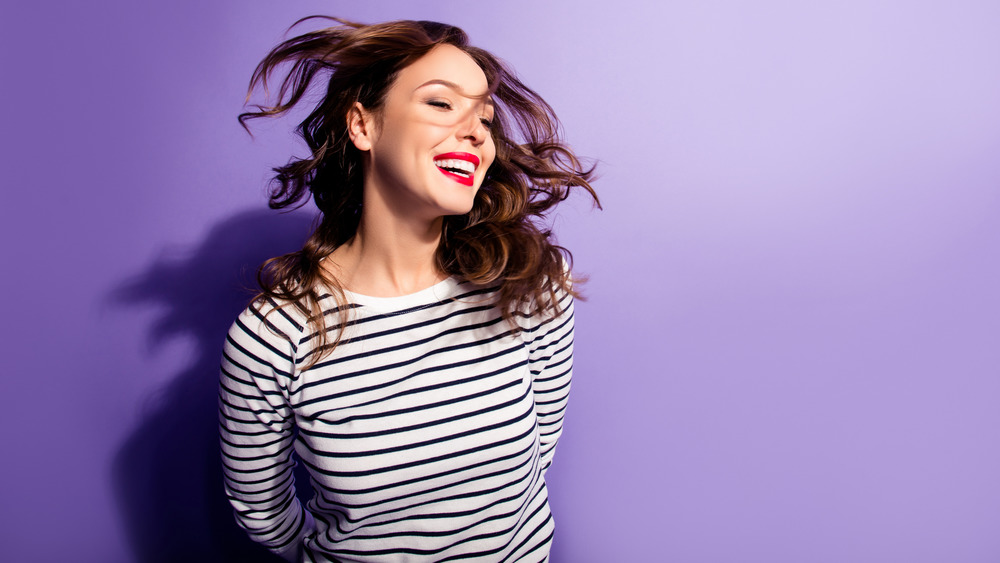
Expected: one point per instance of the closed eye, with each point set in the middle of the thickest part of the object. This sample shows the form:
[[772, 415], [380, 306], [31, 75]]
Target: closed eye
[[442, 104], [486, 122]]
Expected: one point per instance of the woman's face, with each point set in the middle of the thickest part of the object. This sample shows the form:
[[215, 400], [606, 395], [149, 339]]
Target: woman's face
[[430, 145]]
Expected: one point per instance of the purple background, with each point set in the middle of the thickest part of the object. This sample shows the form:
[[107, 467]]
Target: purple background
[[791, 350]]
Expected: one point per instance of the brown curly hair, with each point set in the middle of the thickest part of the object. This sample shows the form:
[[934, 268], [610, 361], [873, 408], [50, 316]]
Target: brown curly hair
[[502, 241]]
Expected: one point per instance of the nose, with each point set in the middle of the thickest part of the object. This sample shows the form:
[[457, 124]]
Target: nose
[[472, 128]]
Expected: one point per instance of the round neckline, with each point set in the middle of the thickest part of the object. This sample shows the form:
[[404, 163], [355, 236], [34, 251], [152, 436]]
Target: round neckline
[[437, 292]]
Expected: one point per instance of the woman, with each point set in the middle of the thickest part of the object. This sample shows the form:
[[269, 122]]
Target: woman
[[416, 353]]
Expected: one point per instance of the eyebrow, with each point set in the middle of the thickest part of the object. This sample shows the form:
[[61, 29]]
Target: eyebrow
[[488, 100]]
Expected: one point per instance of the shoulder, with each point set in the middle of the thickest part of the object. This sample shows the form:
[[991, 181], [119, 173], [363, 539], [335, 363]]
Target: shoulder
[[267, 323], [553, 313], [556, 298]]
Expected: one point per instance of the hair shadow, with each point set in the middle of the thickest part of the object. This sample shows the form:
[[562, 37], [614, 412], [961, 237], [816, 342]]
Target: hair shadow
[[167, 474]]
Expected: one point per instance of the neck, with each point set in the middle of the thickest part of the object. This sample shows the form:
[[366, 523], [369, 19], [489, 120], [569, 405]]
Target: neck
[[389, 257]]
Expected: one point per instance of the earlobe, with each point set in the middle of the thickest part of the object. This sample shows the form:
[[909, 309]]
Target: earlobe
[[359, 127]]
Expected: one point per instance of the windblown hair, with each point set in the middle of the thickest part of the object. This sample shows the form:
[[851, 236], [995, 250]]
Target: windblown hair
[[502, 241]]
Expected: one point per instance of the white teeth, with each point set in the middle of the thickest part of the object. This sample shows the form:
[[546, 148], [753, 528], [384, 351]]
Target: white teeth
[[456, 164]]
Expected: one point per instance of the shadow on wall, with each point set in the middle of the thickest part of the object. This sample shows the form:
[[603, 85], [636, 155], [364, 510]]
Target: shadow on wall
[[168, 474]]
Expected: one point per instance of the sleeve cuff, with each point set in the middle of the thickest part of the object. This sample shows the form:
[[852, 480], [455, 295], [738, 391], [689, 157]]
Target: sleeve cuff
[[293, 552]]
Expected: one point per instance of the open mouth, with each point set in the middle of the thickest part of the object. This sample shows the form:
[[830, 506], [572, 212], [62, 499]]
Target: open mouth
[[459, 166]]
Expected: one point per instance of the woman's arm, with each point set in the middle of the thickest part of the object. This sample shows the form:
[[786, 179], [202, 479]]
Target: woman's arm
[[550, 356], [257, 431]]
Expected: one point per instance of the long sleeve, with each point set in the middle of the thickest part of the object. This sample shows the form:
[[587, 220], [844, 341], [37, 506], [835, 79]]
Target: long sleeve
[[551, 363], [257, 430]]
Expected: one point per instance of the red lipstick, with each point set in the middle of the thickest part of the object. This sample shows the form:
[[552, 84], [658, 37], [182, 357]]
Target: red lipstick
[[459, 166]]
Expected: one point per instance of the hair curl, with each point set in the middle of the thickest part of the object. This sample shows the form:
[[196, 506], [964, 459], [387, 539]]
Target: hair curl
[[502, 240]]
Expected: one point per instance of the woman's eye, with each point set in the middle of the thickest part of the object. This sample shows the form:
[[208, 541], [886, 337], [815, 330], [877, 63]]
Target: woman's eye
[[439, 104], [486, 122]]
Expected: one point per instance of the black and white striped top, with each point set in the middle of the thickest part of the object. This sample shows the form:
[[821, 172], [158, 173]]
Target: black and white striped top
[[426, 432]]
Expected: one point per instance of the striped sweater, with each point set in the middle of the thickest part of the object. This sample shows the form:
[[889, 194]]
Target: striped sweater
[[426, 433]]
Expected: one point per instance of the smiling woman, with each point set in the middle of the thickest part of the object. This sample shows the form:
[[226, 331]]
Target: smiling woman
[[416, 354], [430, 141]]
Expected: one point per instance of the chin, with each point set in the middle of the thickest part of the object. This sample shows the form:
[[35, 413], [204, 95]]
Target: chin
[[458, 207], [462, 211]]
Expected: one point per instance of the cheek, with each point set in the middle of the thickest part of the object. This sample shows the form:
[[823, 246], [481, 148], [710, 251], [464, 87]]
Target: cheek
[[489, 154]]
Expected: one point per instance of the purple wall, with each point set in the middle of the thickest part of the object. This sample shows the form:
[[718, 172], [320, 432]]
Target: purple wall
[[791, 351]]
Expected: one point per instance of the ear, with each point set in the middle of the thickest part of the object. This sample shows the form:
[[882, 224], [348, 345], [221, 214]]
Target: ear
[[360, 127]]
